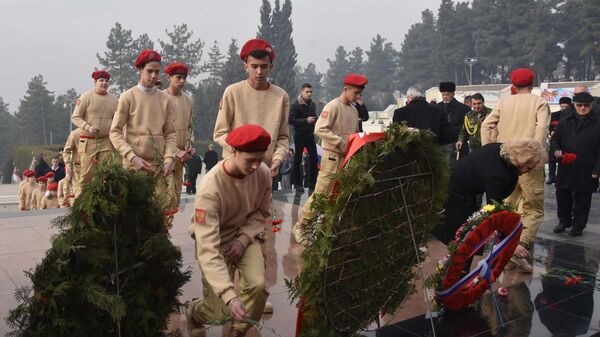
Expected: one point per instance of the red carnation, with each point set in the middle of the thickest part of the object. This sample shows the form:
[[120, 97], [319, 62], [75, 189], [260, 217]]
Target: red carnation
[[187, 183], [276, 222], [555, 123], [568, 158]]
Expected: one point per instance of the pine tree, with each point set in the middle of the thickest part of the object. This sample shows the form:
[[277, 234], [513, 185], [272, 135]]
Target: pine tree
[[34, 113], [590, 33], [6, 140], [313, 77], [491, 39], [338, 68], [182, 48], [111, 271], [356, 61], [265, 30], [418, 53], [283, 43], [63, 107], [119, 58], [214, 66], [233, 69], [143, 42]]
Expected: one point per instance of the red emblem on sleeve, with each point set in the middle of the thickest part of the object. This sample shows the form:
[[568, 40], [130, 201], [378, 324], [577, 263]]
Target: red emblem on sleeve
[[77, 101], [324, 114], [200, 216]]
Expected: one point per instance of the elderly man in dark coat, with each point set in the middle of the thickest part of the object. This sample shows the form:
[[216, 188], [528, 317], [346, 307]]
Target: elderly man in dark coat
[[455, 112], [576, 146], [421, 115]]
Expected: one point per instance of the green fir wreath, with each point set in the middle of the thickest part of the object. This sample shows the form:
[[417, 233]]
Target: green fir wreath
[[361, 258]]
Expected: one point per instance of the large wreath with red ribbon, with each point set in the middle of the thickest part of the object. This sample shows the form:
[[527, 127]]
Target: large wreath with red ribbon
[[455, 292]]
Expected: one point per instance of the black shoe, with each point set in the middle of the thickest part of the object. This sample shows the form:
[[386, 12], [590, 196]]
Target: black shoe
[[576, 231], [561, 227], [550, 182], [300, 189]]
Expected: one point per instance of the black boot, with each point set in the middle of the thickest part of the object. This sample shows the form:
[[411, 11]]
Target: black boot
[[576, 231], [561, 227]]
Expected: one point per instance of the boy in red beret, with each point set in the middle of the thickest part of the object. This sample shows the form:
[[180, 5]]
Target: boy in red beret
[[64, 192], [143, 130], [184, 105], [233, 204], [38, 194], [93, 115], [338, 120], [50, 200], [50, 177], [256, 101], [72, 163], [518, 116], [26, 190]]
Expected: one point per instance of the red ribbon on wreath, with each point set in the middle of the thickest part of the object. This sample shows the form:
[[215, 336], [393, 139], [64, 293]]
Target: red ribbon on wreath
[[460, 292], [568, 158]]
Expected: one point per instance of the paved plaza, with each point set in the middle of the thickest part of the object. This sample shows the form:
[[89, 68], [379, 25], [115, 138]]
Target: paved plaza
[[534, 307]]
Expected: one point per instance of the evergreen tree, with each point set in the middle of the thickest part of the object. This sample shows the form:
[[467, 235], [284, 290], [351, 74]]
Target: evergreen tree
[[6, 140], [356, 61], [491, 39], [143, 42], [283, 71], [334, 78], [63, 106], [568, 28], [214, 66], [590, 33], [34, 113], [208, 93], [380, 69], [119, 58], [418, 53], [233, 69], [265, 30], [182, 48]]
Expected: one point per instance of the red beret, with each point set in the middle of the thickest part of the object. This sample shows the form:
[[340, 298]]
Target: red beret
[[356, 80], [176, 68], [146, 56], [42, 179], [29, 173], [100, 74], [49, 175], [249, 138], [256, 44], [52, 187], [522, 77]]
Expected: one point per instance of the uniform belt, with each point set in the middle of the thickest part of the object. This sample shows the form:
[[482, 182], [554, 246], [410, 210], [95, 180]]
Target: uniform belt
[[87, 137]]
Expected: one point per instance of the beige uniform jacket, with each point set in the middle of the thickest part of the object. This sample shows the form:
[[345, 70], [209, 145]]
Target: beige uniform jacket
[[228, 208], [516, 117], [70, 153], [64, 193], [36, 199], [142, 125], [242, 104], [49, 203], [182, 118], [335, 124], [25, 195], [97, 110]]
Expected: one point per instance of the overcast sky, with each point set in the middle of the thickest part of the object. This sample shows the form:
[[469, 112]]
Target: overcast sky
[[60, 38]]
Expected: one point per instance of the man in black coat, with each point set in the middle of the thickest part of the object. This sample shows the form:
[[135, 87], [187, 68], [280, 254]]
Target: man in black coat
[[421, 115], [455, 112], [303, 116], [579, 134], [211, 158], [565, 105], [193, 169]]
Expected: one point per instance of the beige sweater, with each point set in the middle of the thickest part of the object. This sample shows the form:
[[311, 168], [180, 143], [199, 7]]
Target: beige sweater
[[70, 152], [25, 195], [184, 107], [142, 123], [36, 199], [335, 124], [228, 208], [65, 190], [515, 117], [97, 110], [49, 203], [241, 104]]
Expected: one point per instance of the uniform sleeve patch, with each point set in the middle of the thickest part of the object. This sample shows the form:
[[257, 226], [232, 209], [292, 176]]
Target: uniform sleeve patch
[[200, 216], [78, 101], [324, 114]]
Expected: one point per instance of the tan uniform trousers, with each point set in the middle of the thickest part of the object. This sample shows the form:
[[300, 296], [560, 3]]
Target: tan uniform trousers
[[528, 199], [330, 165], [253, 294], [176, 183], [75, 181], [91, 150]]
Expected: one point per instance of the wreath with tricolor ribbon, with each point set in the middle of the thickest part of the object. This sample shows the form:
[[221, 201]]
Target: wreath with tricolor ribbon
[[456, 292]]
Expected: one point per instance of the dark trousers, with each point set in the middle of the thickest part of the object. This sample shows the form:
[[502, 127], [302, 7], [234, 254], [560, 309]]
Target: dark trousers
[[551, 167], [300, 142], [192, 180], [573, 207]]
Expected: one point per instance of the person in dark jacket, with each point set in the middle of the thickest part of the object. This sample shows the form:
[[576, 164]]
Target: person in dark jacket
[[193, 169], [494, 170], [577, 134], [421, 115], [363, 112], [41, 168], [303, 117], [211, 158], [455, 112], [59, 171], [565, 105]]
